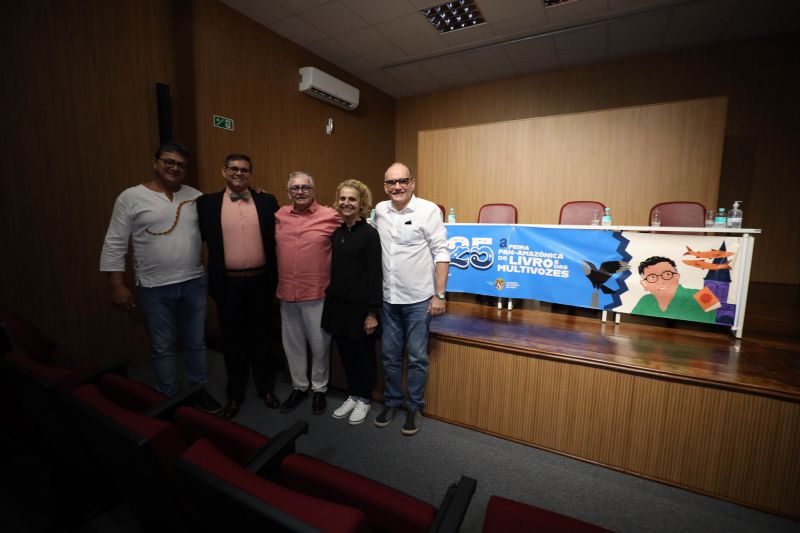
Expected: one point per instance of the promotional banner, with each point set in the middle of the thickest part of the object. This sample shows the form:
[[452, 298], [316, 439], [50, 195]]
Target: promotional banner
[[686, 277]]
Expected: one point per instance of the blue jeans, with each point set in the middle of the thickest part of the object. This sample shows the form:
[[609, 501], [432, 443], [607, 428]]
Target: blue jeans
[[178, 309], [405, 324]]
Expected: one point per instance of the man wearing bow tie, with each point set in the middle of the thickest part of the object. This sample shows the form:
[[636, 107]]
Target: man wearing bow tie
[[238, 226]]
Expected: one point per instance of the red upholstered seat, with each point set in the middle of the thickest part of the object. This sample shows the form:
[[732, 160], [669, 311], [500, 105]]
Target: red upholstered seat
[[23, 335], [321, 514], [128, 393], [497, 214], [386, 509], [234, 440], [580, 212], [503, 516], [64, 380]]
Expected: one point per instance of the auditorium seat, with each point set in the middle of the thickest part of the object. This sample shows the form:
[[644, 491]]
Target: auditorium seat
[[386, 509], [17, 333], [441, 208], [36, 416], [138, 450], [498, 214], [580, 212], [227, 493], [683, 214], [504, 516]]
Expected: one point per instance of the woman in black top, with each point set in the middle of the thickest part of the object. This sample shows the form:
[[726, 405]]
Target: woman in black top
[[353, 298]]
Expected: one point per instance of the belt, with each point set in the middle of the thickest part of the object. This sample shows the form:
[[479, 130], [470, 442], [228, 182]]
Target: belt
[[248, 273]]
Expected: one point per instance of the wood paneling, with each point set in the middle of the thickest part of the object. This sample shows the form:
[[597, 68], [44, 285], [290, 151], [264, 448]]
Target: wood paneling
[[761, 162], [629, 159], [78, 102], [721, 440], [250, 74]]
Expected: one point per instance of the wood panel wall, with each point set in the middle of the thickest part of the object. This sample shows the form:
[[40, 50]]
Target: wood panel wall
[[78, 101], [731, 445], [760, 160], [628, 158]]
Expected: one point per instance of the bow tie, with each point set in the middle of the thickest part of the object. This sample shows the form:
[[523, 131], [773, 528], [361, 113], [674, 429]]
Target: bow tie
[[240, 196]]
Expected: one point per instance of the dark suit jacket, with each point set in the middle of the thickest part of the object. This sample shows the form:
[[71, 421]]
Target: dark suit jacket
[[209, 211]]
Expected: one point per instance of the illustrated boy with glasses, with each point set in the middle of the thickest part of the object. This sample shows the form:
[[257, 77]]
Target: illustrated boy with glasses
[[667, 298]]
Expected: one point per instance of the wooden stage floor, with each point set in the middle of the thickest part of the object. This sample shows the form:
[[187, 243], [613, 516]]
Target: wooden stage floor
[[710, 355], [685, 404]]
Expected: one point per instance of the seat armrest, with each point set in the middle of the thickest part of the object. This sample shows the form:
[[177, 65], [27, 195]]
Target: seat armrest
[[166, 409], [266, 462], [119, 368], [451, 512]]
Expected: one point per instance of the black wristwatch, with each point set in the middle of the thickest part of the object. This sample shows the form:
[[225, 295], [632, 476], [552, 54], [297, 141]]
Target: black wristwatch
[[440, 295]]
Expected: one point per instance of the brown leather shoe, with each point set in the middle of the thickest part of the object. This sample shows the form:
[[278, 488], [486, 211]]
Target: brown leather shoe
[[271, 401], [231, 409]]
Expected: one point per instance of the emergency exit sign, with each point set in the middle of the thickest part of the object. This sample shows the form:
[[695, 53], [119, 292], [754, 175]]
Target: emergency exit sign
[[223, 123]]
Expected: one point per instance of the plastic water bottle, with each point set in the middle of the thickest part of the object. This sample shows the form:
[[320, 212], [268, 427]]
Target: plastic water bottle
[[607, 217], [451, 218], [655, 219], [596, 218], [721, 220], [735, 215], [710, 218]]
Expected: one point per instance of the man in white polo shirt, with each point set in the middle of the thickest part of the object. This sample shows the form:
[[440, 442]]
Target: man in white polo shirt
[[415, 260], [160, 219]]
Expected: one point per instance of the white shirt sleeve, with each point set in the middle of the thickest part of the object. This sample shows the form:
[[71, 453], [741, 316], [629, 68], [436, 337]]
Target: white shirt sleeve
[[115, 245]]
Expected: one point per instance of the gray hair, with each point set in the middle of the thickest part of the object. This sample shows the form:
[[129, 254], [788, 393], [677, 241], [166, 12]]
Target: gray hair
[[298, 174]]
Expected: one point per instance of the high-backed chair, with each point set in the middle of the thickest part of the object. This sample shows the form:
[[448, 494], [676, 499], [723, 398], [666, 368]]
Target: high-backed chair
[[504, 515], [444, 214], [683, 214], [497, 214], [580, 212], [138, 450]]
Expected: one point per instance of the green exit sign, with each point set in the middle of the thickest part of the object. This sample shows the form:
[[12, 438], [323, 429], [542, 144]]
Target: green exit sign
[[224, 123]]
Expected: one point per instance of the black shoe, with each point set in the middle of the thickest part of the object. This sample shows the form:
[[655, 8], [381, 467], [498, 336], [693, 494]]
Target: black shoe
[[294, 398], [318, 403], [205, 402], [385, 417], [413, 423]]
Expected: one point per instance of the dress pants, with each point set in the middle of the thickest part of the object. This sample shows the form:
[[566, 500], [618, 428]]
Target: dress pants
[[301, 325], [245, 316]]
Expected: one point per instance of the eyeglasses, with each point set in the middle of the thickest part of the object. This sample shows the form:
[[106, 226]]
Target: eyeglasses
[[237, 170], [401, 181], [294, 189], [666, 276], [171, 163]]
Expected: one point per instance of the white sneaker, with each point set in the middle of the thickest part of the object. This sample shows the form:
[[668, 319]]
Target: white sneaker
[[359, 413], [345, 408]]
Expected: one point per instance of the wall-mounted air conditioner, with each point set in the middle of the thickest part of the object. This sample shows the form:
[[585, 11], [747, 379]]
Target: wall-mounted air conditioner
[[320, 85]]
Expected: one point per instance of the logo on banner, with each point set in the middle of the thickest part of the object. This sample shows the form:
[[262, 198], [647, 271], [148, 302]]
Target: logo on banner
[[478, 254]]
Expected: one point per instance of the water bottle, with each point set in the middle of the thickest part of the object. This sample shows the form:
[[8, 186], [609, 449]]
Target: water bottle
[[735, 215], [721, 220], [607, 217], [655, 219], [451, 218], [710, 218], [596, 218]]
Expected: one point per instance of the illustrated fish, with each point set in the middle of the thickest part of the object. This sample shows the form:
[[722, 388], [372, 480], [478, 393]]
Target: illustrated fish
[[711, 254], [706, 265]]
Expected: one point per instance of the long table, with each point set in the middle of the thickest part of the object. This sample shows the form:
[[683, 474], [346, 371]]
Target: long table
[[576, 265]]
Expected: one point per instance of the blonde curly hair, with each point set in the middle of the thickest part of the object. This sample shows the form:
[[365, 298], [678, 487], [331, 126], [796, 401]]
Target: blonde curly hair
[[363, 190]]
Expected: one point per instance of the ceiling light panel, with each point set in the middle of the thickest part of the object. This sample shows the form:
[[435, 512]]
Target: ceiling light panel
[[452, 16]]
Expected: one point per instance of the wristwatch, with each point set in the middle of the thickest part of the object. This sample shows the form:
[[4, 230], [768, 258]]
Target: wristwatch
[[440, 295]]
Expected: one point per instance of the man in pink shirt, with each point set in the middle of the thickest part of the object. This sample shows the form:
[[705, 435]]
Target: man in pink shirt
[[303, 234], [238, 226]]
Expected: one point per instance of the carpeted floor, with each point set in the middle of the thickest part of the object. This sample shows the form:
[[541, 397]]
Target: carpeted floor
[[425, 464]]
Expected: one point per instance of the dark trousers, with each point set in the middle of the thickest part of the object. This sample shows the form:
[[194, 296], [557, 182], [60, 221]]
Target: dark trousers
[[358, 359], [245, 316]]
